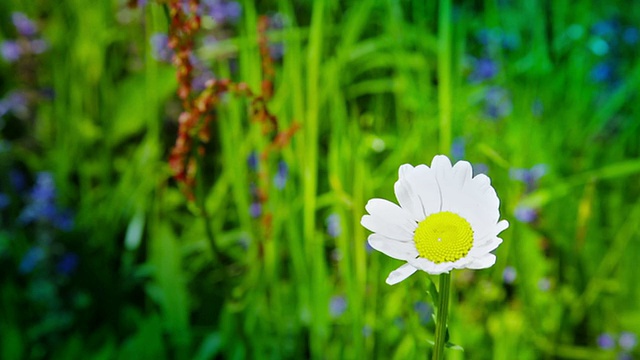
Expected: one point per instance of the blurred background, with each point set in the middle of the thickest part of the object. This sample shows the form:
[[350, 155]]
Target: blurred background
[[150, 212]]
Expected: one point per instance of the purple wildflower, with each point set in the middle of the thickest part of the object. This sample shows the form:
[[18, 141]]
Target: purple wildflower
[[537, 108], [17, 180], [38, 46], [337, 305], [509, 275], [280, 179], [605, 341], [253, 161], [480, 168], [457, 148], [529, 176], [160, 49], [333, 225], [222, 11], [4, 201], [10, 51], [631, 35], [255, 210], [544, 284], [67, 264], [628, 340], [497, 104], [424, 311], [483, 69], [525, 214], [31, 259], [24, 25]]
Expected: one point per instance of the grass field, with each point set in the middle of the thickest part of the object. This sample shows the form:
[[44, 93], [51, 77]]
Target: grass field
[[258, 252]]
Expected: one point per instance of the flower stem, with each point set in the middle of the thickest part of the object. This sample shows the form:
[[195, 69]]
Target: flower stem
[[441, 317]]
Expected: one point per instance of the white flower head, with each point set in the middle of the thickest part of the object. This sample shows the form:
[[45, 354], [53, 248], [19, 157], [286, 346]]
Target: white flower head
[[447, 219]]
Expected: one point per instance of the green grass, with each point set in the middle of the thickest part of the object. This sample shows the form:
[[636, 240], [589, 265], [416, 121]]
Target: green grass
[[374, 84]]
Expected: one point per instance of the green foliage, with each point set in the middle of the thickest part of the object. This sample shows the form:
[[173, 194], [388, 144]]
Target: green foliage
[[363, 78]]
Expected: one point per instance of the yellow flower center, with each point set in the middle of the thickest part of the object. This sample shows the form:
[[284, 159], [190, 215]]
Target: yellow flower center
[[443, 236]]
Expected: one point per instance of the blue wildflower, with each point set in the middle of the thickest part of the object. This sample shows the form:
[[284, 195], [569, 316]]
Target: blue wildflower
[[605, 28], [67, 264], [367, 331], [537, 108], [529, 176], [509, 275], [458, 148], [31, 259], [424, 311], [10, 51], [525, 214], [337, 305], [333, 225], [631, 35], [605, 341], [15, 102], [222, 11], [483, 69], [280, 179], [17, 180], [253, 161], [4, 201], [628, 340], [480, 168], [497, 103], [603, 72], [42, 205], [38, 46], [544, 284], [160, 49], [24, 25], [255, 210]]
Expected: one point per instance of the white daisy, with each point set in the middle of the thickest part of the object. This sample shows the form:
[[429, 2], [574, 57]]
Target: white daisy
[[447, 219]]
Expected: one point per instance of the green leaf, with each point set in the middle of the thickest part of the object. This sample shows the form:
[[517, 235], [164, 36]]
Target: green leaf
[[453, 346], [433, 292]]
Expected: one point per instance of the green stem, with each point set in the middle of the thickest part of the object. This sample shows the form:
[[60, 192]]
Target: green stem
[[443, 311], [201, 200]]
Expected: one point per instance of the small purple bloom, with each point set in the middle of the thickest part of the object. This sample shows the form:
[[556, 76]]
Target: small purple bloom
[[367, 331], [628, 340], [280, 179], [529, 176], [480, 168], [222, 11], [525, 214], [509, 275], [10, 51], [603, 72], [63, 220], [337, 306], [38, 46], [424, 311], [67, 264], [457, 148], [253, 161], [160, 49], [606, 341], [17, 180], [483, 69], [631, 35], [537, 108], [255, 210], [497, 103], [24, 25], [333, 225], [4, 201], [16, 103], [544, 284], [31, 259]]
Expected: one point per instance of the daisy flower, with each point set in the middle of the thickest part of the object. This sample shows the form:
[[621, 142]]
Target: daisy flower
[[447, 219]]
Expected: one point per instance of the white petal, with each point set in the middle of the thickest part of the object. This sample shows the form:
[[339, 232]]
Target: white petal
[[501, 226], [431, 267], [404, 170], [395, 249], [391, 213], [486, 247], [400, 274], [483, 262], [408, 199], [423, 183], [389, 230]]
